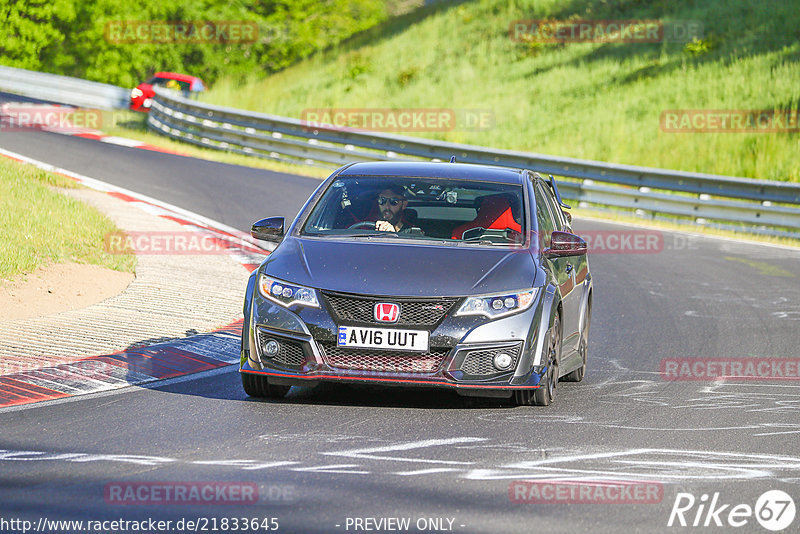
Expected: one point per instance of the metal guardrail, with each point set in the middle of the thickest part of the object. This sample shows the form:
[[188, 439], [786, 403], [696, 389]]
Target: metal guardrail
[[742, 201], [702, 197], [762, 206], [63, 89]]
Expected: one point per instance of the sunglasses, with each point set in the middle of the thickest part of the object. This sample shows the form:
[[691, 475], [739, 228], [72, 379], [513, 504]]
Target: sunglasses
[[393, 201]]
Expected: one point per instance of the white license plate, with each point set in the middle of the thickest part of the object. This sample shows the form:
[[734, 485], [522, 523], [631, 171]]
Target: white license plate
[[383, 338]]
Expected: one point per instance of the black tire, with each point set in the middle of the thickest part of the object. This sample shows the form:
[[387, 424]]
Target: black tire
[[257, 386], [544, 396], [583, 347], [524, 397]]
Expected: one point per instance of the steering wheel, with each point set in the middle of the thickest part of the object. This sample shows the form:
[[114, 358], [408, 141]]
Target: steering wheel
[[362, 224]]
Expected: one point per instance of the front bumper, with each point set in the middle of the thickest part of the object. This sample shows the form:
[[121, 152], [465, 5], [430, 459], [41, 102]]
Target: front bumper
[[460, 355], [140, 103]]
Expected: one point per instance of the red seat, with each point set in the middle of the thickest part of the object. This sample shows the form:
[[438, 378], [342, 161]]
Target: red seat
[[495, 213]]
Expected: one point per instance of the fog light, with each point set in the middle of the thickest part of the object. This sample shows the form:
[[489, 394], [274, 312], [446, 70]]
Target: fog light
[[271, 348], [503, 361]]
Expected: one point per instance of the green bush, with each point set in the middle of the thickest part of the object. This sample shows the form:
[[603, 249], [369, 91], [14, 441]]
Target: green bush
[[69, 36]]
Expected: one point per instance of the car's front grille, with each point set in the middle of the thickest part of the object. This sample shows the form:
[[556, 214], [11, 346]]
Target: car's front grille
[[479, 362], [385, 361], [290, 352], [413, 312]]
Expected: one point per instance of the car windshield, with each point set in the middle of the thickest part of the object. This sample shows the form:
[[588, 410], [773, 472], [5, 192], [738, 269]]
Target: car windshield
[[170, 83], [459, 211]]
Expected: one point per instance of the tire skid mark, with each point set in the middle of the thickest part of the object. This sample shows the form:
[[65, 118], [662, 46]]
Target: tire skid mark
[[666, 466]]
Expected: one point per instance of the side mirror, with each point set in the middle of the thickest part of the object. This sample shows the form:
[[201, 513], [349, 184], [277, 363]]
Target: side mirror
[[565, 244], [269, 229]]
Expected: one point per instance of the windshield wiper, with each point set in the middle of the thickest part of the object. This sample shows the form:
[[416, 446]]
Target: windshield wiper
[[372, 234], [479, 241], [483, 237]]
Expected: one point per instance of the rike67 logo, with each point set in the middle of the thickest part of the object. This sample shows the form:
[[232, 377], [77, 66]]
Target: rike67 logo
[[774, 510]]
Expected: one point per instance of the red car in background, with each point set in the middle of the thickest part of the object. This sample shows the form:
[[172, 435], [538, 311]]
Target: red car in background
[[142, 94]]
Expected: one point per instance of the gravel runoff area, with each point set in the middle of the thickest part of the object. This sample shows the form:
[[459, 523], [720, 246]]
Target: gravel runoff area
[[172, 296]]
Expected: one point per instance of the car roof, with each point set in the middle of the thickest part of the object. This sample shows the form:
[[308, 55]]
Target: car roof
[[176, 76], [424, 169]]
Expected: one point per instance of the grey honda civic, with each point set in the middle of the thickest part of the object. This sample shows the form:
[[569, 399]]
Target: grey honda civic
[[416, 274]]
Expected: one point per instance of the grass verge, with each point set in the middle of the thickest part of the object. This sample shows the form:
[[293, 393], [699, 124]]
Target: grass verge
[[594, 100], [39, 225]]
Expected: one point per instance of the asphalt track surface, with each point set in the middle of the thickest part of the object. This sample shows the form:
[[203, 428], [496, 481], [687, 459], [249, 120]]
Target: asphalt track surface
[[323, 458]]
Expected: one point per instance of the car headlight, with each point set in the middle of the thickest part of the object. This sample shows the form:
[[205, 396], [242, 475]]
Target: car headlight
[[136, 92], [499, 305], [287, 294]]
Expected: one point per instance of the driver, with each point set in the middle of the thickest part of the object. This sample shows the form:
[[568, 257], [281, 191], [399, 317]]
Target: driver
[[392, 203]]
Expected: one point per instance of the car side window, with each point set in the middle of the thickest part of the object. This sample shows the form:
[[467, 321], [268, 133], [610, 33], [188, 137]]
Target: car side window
[[555, 209], [543, 217]]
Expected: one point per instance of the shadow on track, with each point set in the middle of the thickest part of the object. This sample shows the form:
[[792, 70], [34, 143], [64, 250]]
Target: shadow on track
[[228, 386]]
